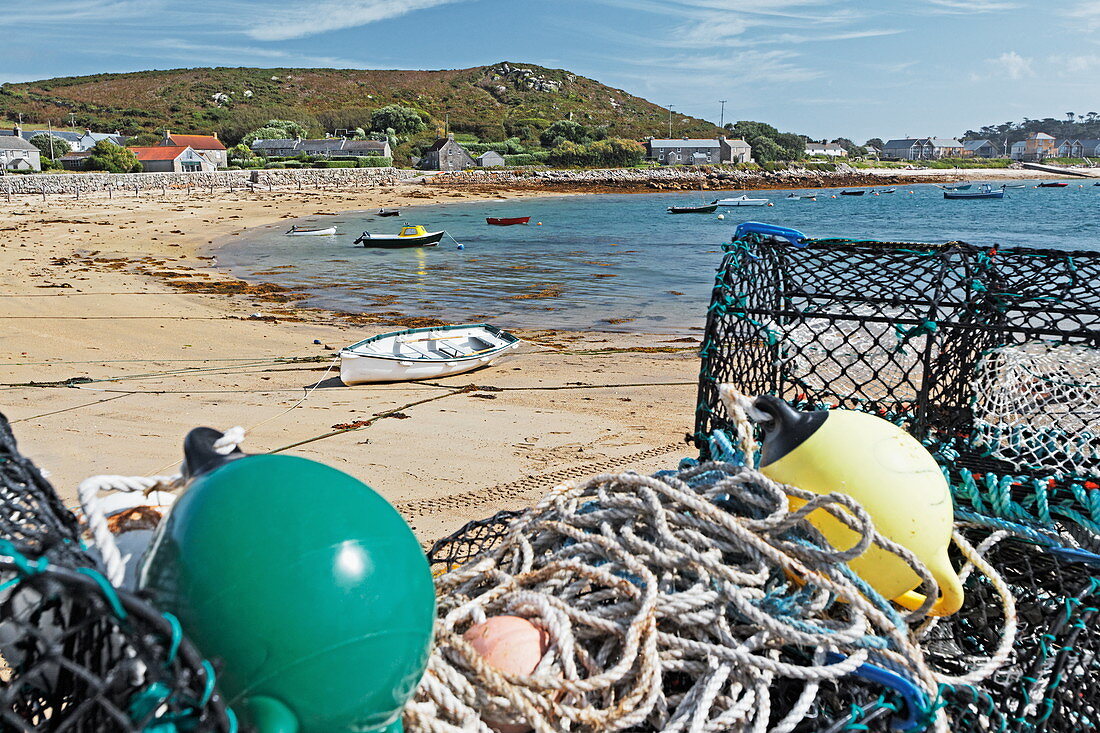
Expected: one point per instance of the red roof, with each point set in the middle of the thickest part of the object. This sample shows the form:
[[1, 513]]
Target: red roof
[[160, 152], [198, 142]]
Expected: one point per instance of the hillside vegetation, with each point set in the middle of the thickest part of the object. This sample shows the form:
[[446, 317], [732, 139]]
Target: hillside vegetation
[[495, 102]]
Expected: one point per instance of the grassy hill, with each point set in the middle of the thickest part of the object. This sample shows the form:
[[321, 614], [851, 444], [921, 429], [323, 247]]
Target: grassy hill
[[492, 102]]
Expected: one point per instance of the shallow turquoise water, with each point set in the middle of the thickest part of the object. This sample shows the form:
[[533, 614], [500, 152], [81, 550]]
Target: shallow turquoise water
[[617, 261]]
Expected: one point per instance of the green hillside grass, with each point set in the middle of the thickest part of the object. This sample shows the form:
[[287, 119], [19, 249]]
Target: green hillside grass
[[491, 102]]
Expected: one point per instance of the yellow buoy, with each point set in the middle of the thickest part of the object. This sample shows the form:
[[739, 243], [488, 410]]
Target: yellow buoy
[[888, 472]]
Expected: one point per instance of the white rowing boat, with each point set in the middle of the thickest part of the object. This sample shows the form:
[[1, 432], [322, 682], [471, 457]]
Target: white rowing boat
[[742, 201], [297, 231], [424, 353]]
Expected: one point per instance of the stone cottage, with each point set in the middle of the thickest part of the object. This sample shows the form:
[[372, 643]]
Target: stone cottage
[[446, 155]]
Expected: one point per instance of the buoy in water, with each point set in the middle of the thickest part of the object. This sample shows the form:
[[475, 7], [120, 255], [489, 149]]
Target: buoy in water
[[721, 216], [461, 246], [888, 472], [318, 582], [539, 224], [834, 197], [771, 204]]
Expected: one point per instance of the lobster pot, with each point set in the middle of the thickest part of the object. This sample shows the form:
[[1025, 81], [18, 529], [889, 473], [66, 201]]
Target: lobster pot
[[988, 356], [1037, 407], [75, 653]]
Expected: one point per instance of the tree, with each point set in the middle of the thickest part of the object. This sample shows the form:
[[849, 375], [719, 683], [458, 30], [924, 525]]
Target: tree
[[106, 156], [276, 130], [565, 131], [51, 146], [402, 120], [617, 152], [145, 139], [875, 142], [793, 146], [853, 150]]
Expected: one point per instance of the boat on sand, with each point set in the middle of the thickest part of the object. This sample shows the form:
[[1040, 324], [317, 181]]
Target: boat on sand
[[424, 353]]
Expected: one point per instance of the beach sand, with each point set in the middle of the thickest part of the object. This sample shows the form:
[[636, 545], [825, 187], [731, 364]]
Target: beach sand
[[122, 292]]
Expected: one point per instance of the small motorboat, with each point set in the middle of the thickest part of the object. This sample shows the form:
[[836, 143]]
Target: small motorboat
[[409, 236], [1020, 185], [704, 209], [297, 231], [743, 200], [506, 222], [885, 191], [424, 353], [802, 197], [853, 193], [1053, 184], [388, 212], [985, 191], [960, 187]]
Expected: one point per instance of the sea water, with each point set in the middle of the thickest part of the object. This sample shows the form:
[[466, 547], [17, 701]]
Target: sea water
[[617, 262]]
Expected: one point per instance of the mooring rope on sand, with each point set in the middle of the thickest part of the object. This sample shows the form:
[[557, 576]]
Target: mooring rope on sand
[[685, 602]]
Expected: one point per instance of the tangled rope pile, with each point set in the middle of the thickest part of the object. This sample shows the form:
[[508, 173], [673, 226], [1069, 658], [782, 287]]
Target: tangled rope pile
[[697, 601]]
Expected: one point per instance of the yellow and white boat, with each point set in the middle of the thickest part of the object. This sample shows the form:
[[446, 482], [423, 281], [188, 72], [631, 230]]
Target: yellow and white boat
[[409, 236]]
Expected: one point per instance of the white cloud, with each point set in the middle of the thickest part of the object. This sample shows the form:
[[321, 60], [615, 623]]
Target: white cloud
[[312, 18], [966, 7], [238, 54], [1087, 11], [1010, 65]]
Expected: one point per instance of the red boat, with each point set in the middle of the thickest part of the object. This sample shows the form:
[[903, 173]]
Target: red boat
[[1052, 185], [507, 222]]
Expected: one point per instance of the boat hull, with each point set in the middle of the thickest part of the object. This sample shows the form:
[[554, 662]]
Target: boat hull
[[709, 209], [358, 366], [1052, 185], [388, 212], [852, 193], [963, 195], [328, 231], [499, 222], [395, 242], [743, 202]]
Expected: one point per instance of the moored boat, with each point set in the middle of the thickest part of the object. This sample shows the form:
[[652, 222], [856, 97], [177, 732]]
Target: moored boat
[[297, 231], [1019, 185], [886, 190], [424, 353], [742, 200], [985, 191], [388, 212], [704, 209], [409, 236], [507, 222], [859, 192], [802, 197], [960, 187], [1053, 184]]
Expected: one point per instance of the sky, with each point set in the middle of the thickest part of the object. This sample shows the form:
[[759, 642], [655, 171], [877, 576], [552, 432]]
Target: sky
[[824, 68]]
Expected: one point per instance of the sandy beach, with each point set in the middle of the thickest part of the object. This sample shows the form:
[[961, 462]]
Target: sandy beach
[[87, 297], [119, 335]]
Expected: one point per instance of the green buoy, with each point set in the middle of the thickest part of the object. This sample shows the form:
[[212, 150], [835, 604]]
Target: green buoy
[[306, 586]]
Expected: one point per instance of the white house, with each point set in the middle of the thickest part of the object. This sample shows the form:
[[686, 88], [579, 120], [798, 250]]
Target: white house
[[831, 150], [172, 159], [16, 154]]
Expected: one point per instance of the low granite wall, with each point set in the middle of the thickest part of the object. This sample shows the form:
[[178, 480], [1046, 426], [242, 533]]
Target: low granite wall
[[75, 184]]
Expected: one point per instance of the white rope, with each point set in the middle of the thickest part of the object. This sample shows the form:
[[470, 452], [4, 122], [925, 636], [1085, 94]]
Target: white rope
[[88, 492], [636, 579]]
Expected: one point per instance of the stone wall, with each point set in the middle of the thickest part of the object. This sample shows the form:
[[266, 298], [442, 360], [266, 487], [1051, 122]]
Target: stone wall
[[90, 183]]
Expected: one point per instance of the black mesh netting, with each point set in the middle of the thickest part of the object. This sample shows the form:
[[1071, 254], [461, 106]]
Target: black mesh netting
[[989, 356], [75, 653], [470, 540]]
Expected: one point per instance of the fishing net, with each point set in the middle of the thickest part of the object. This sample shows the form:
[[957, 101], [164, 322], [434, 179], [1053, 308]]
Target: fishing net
[[1037, 407], [988, 356], [77, 654], [472, 539]]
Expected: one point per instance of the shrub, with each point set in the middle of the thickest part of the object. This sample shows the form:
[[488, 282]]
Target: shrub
[[106, 156], [334, 164], [373, 161], [277, 164], [292, 164]]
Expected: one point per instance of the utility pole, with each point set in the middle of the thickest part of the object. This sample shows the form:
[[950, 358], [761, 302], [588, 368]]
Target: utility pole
[[722, 117], [670, 122], [446, 123], [49, 126]]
